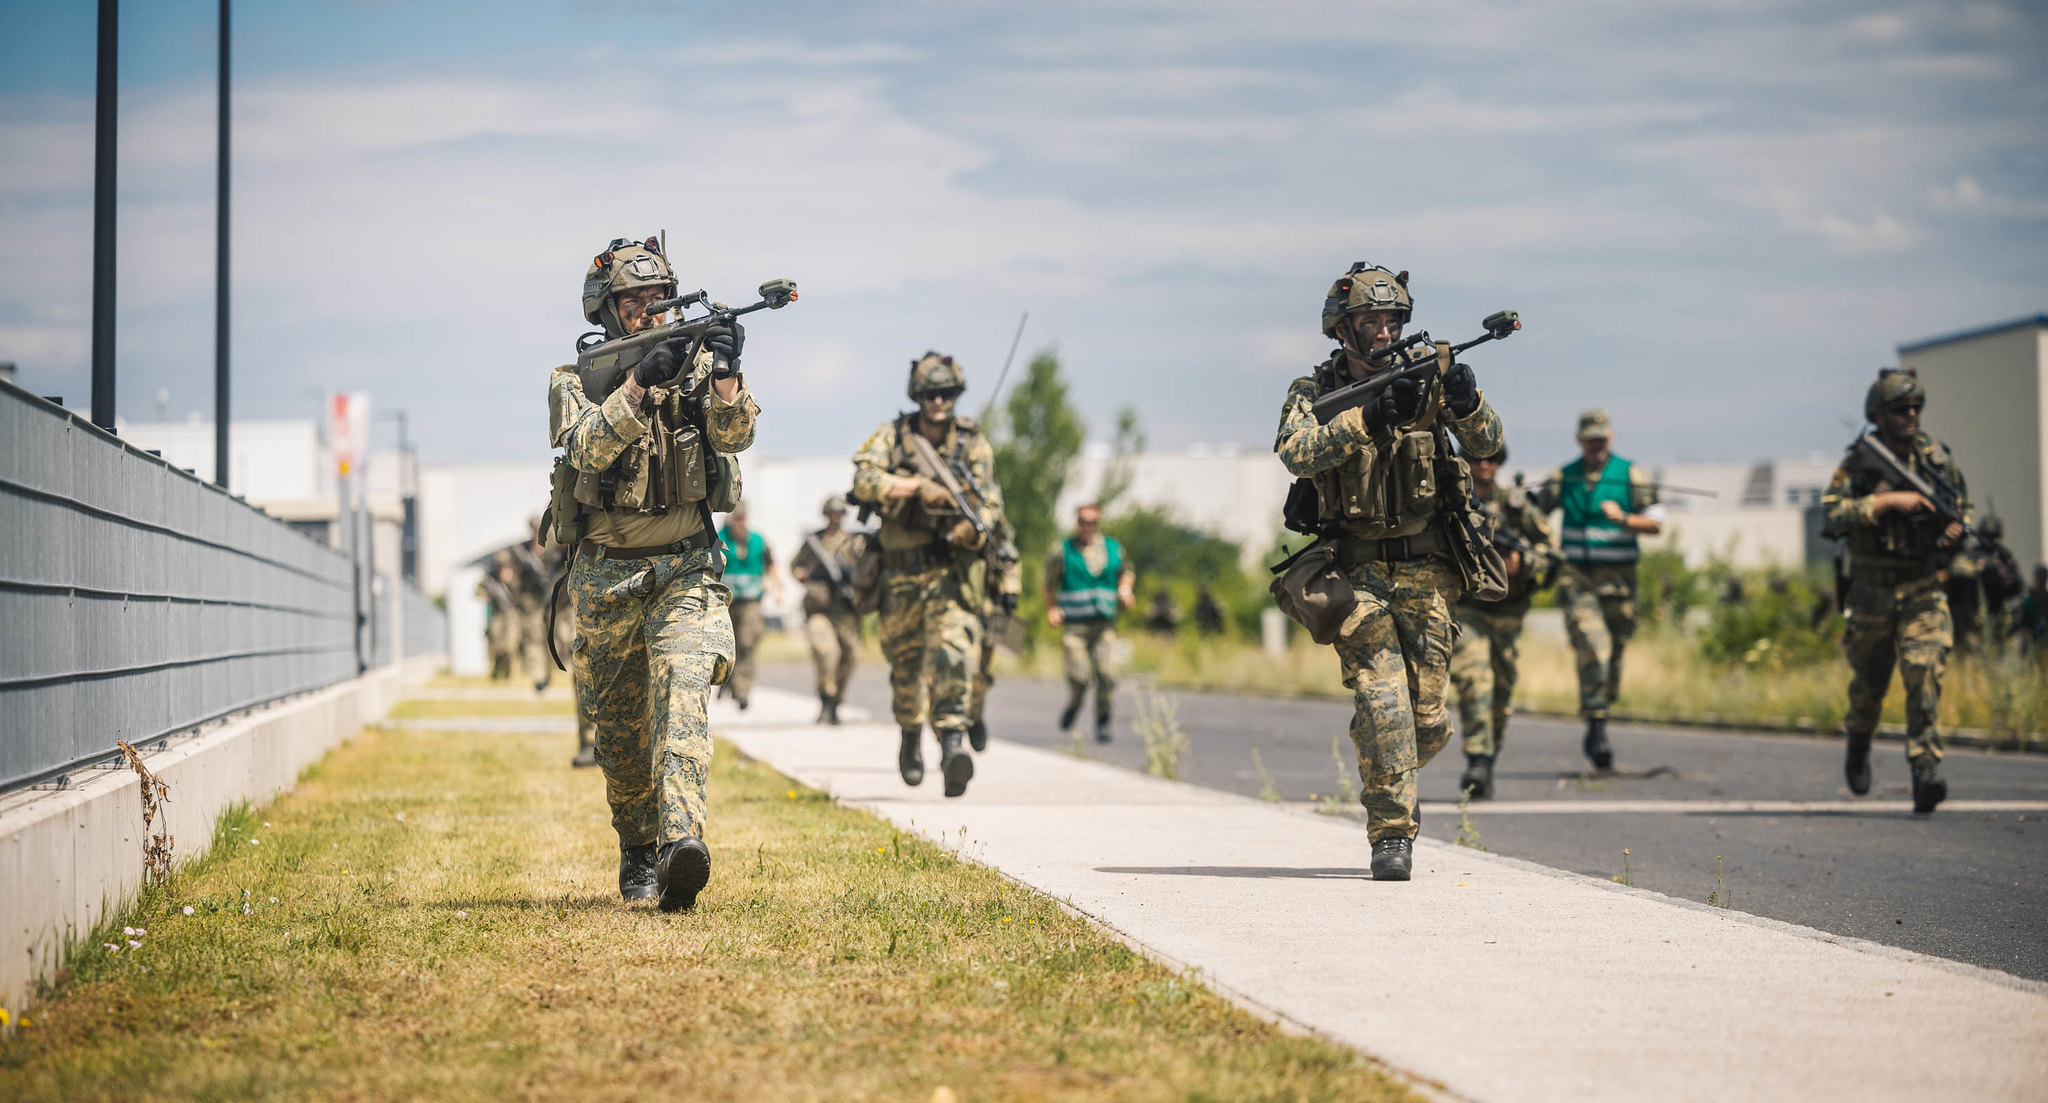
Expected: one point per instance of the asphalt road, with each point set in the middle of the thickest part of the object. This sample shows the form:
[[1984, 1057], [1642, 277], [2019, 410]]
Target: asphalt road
[[1971, 885]]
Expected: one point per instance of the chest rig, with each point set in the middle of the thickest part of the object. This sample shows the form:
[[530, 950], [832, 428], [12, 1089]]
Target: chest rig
[[667, 467], [1899, 540], [1403, 486], [914, 512]]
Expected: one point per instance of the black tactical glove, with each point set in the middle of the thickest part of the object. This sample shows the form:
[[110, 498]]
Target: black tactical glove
[[1461, 391], [1007, 603], [1399, 404], [725, 341], [659, 365]]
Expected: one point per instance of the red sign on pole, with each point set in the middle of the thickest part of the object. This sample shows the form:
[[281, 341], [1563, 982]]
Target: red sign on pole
[[348, 430]]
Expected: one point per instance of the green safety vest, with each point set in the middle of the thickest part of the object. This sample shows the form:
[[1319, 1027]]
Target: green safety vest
[[1587, 536], [744, 566], [1085, 594]]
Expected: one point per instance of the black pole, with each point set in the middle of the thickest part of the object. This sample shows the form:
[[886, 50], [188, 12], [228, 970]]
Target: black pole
[[105, 149], [220, 267]]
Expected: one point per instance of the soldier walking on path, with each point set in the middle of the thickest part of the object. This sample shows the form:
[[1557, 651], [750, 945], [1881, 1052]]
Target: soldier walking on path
[[1897, 541], [1379, 471], [1485, 662], [931, 475], [1605, 503], [652, 629], [750, 574], [831, 623], [1087, 583]]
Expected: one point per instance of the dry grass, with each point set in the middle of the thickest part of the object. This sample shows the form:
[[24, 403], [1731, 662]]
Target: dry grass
[[432, 915]]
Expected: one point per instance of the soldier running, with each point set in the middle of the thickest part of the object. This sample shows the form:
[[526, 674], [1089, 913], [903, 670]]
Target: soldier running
[[1897, 545], [1485, 662], [831, 623], [1379, 475], [918, 470], [652, 629]]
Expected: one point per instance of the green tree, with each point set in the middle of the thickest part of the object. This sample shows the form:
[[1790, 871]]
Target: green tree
[[1036, 442]]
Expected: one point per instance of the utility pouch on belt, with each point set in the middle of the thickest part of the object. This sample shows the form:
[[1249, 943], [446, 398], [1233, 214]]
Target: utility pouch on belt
[[724, 479], [564, 512], [1311, 588], [1470, 543]]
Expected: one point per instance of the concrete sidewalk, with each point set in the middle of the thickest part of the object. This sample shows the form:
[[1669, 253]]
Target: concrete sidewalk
[[1486, 977]]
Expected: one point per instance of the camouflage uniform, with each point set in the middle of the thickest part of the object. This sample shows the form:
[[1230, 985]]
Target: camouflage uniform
[[830, 622], [1983, 580], [1484, 660], [653, 634], [1897, 613], [1395, 647], [501, 622], [1005, 587], [933, 590]]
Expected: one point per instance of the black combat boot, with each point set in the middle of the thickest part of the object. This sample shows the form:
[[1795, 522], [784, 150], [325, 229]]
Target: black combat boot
[[910, 757], [1068, 714], [586, 757], [1857, 766], [955, 762], [977, 736], [636, 872], [685, 867], [824, 708], [832, 711], [1478, 779], [1102, 727], [1597, 747], [1391, 858], [1929, 787]]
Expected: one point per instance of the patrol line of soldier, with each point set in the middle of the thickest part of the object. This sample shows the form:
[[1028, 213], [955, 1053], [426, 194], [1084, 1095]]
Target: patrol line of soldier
[[648, 455]]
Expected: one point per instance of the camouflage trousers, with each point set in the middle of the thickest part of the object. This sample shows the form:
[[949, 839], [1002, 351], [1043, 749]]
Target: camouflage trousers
[[747, 629], [834, 636], [652, 637], [1599, 607], [1907, 625], [984, 675], [1484, 666], [565, 646], [501, 639], [1089, 648], [533, 644], [1396, 653], [930, 635]]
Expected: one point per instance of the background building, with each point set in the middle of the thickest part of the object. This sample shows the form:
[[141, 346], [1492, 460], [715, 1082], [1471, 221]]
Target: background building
[[1988, 400]]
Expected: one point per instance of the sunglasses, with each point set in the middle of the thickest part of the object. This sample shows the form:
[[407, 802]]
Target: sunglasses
[[949, 394]]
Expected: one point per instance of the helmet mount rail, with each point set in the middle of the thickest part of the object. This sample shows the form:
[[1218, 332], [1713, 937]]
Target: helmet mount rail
[[1413, 357]]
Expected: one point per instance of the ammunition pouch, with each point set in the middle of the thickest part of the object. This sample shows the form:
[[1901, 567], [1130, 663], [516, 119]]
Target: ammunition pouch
[[1311, 588], [671, 465], [1400, 490], [564, 512]]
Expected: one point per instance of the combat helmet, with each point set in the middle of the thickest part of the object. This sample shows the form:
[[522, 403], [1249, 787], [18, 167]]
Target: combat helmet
[[1894, 387], [1366, 287], [1991, 529], [933, 372], [624, 265]]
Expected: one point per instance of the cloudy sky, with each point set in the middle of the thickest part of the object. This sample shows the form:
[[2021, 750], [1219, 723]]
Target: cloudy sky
[[1716, 218]]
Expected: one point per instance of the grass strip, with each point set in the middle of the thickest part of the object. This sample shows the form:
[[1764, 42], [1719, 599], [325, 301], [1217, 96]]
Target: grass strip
[[433, 915]]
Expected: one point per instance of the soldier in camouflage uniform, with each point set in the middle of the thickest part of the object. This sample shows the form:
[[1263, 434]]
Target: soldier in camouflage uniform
[[1005, 587], [934, 572], [1379, 473], [500, 592], [1983, 579], [1897, 545], [652, 629], [1484, 661], [1605, 503], [825, 567]]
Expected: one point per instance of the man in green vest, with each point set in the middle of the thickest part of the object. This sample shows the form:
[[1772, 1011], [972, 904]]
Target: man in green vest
[[1087, 583], [1605, 504], [1485, 662], [1897, 545], [750, 573]]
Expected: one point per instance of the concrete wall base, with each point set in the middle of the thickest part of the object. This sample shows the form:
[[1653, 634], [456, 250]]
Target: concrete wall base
[[70, 857]]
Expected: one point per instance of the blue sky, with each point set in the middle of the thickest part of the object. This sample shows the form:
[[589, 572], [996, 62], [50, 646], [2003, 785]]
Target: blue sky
[[1717, 219]]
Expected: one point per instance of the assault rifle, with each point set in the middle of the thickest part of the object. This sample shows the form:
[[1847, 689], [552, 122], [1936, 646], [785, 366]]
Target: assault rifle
[[1932, 485], [499, 595], [1412, 357], [926, 459], [601, 363], [836, 573]]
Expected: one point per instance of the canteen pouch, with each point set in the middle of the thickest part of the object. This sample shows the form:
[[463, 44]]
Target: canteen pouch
[[1310, 587], [723, 481]]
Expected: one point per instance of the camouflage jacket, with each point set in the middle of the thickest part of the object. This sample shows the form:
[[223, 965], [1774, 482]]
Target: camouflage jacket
[[1895, 545], [1514, 509], [880, 463]]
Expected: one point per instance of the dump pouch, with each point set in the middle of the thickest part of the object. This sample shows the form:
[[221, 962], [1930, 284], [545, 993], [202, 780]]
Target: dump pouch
[[1312, 589], [564, 512], [723, 481]]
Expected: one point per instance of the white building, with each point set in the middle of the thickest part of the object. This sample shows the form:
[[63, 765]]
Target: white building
[[1987, 398]]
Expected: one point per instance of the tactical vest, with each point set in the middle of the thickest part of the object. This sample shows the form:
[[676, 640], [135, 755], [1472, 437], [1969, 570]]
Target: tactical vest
[[1085, 594], [913, 512], [1401, 492], [1586, 534], [1899, 543], [745, 566], [666, 467]]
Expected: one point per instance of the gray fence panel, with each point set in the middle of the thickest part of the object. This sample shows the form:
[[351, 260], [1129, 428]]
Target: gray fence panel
[[426, 625], [137, 601]]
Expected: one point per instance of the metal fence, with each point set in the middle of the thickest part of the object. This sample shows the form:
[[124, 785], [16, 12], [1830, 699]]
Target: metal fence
[[137, 601], [424, 624]]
